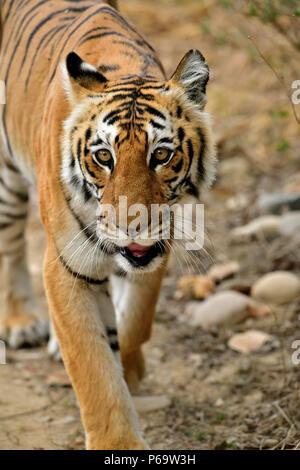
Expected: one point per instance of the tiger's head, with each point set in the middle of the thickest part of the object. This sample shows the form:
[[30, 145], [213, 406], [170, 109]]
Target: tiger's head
[[139, 140]]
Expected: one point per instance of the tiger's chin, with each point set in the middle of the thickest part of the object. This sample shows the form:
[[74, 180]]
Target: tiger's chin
[[140, 258]]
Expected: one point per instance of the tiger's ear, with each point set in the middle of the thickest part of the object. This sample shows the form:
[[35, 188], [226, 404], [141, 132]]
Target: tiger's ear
[[192, 74], [82, 77]]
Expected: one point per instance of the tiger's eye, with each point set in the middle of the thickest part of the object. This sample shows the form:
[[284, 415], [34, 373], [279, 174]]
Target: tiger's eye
[[103, 155], [162, 153]]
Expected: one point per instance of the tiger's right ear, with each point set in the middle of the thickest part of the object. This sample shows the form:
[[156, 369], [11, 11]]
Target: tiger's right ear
[[192, 74], [82, 78]]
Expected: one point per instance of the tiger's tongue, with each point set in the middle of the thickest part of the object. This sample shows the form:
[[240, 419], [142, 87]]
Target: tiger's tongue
[[138, 250]]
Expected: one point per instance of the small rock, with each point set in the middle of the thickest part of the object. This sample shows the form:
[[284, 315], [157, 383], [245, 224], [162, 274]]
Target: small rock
[[269, 443], [219, 272], [248, 341], [46, 419], [277, 287], [240, 285], [67, 420], [198, 287], [257, 310], [254, 397], [145, 404], [59, 378], [289, 225], [79, 441], [277, 203], [219, 402], [225, 307], [266, 226]]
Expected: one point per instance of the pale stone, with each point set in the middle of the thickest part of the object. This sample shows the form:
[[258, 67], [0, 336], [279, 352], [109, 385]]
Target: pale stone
[[277, 287], [266, 226], [218, 272], [277, 203], [145, 404], [248, 341], [289, 225], [226, 307]]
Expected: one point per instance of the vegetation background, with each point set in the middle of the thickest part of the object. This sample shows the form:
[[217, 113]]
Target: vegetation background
[[209, 395]]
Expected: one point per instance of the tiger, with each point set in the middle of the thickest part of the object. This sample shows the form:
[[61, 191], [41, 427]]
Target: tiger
[[90, 117]]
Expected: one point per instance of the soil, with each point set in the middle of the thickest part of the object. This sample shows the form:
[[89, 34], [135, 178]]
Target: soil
[[219, 399]]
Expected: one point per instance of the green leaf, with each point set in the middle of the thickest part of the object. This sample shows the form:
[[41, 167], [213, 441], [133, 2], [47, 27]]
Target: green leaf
[[282, 145], [252, 10]]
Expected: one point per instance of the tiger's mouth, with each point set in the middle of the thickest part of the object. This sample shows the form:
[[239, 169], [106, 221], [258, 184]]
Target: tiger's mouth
[[140, 255]]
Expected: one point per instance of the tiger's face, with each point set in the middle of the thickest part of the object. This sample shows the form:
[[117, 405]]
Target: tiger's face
[[140, 141]]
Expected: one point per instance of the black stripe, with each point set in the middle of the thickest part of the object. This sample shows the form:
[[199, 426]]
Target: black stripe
[[10, 166], [156, 125], [4, 226], [120, 273], [52, 36], [178, 166], [98, 28], [165, 140], [21, 196], [192, 189], [7, 203], [111, 332], [23, 19], [40, 25], [201, 169], [87, 279], [69, 37], [8, 11], [49, 35], [181, 135], [179, 112], [111, 114], [17, 237], [100, 35], [86, 231], [109, 68], [190, 149], [13, 216], [12, 59], [114, 346], [171, 180], [124, 23]]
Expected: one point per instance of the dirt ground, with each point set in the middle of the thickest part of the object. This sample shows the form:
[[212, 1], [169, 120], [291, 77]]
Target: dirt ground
[[218, 398]]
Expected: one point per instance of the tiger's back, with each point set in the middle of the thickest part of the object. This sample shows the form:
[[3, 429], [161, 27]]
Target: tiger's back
[[36, 37]]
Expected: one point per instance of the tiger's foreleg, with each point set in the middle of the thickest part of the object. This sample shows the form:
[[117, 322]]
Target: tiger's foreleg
[[19, 323], [82, 317], [135, 300]]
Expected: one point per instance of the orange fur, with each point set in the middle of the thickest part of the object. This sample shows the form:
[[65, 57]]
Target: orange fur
[[48, 127]]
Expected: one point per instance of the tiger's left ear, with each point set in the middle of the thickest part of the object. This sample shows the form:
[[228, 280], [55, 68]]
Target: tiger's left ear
[[82, 78], [192, 74]]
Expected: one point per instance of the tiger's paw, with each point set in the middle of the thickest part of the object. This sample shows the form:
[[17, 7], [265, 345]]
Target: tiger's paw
[[118, 444], [23, 329]]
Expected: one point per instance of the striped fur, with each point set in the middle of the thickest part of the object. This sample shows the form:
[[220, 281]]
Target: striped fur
[[80, 80]]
